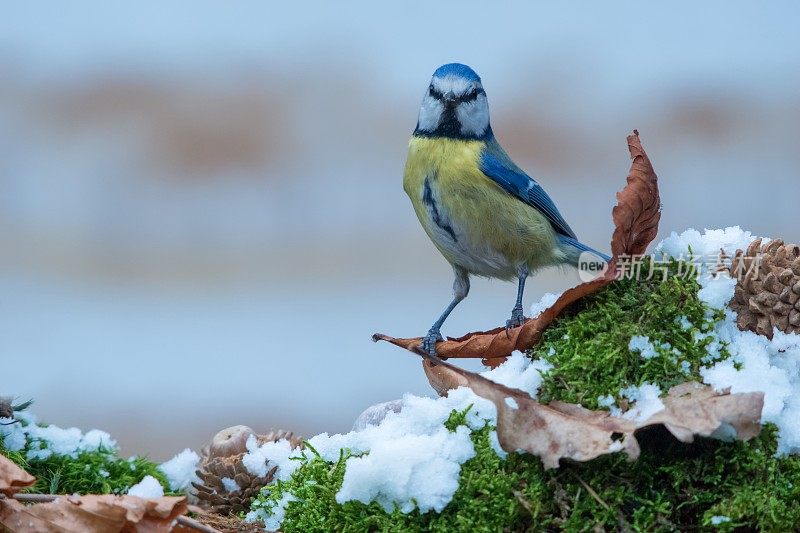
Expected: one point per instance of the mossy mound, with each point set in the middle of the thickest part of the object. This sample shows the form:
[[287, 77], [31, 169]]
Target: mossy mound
[[672, 487], [89, 472], [708, 485], [589, 345]]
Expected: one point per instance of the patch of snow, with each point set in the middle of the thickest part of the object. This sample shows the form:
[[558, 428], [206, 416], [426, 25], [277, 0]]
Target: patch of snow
[[718, 519], [495, 442], [647, 402], [519, 372], [260, 459], [230, 484], [416, 471], [44, 441], [180, 470], [642, 344], [606, 401], [272, 519], [148, 487]]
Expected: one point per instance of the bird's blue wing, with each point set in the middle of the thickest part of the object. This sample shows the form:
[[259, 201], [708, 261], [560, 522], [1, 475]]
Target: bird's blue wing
[[496, 164]]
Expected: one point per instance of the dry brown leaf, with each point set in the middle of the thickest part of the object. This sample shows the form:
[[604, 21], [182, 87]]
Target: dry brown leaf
[[695, 409], [562, 430], [636, 218], [13, 478], [96, 513]]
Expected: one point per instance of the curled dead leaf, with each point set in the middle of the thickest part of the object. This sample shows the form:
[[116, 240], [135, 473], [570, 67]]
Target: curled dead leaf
[[13, 478], [563, 430], [105, 513], [636, 218]]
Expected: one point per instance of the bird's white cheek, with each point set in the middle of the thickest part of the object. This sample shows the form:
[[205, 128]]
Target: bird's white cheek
[[430, 113], [474, 116]]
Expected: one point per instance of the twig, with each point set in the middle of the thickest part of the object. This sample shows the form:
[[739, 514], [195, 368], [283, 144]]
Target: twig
[[194, 524], [45, 498], [35, 498], [594, 495]]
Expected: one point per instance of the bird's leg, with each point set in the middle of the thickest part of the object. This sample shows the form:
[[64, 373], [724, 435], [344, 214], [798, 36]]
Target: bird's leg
[[460, 291], [517, 316]]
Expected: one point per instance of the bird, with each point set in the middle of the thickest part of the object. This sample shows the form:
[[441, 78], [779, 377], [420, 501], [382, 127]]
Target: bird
[[484, 214]]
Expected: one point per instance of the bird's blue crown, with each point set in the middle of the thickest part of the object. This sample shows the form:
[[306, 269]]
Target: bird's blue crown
[[457, 69]]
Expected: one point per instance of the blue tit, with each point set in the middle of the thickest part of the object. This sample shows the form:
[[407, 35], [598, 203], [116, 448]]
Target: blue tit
[[482, 212]]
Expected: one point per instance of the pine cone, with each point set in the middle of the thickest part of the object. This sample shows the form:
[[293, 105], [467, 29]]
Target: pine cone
[[227, 485], [767, 293]]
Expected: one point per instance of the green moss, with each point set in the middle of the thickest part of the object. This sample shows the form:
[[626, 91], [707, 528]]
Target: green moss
[[588, 345], [709, 485], [95, 472], [485, 499], [672, 487]]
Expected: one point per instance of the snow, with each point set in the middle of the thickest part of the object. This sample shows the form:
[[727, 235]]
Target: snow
[[606, 401], [646, 401], [272, 520], [414, 470], [519, 372], [180, 470], [495, 442], [547, 300], [279, 454], [44, 441], [230, 484], [410, 459], [719, 519], [148, 487], [642, 344]]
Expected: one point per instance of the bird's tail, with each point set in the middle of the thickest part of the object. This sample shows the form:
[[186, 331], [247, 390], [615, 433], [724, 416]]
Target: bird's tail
[[578, 253]]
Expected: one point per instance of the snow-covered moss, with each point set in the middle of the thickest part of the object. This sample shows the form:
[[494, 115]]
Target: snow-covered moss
[[671, 487], [68, 461]]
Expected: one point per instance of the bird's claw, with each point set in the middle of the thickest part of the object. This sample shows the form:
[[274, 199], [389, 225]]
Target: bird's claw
[[429, 341], [516, 320]]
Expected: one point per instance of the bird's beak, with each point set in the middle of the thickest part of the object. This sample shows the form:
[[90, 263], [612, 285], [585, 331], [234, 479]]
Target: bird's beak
[[449, 99]]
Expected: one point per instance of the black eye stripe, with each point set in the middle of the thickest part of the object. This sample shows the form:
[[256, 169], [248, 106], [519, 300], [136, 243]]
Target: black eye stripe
[[469, 97]]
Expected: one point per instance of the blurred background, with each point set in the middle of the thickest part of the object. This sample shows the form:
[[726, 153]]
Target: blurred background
[[201, 213]]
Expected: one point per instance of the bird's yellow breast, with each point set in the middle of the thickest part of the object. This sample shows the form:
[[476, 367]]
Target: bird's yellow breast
[[472, 221]]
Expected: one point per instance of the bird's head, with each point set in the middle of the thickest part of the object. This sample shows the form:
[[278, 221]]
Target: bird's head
[[454, 105]]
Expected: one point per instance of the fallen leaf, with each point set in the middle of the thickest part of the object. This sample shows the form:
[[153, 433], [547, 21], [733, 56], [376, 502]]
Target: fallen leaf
[[105, 513], [13, 478], [636, 218], [563, 430], [694, 409]]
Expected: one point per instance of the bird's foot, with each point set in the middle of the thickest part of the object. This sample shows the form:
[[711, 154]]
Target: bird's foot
[[517, 318], [429, 341]]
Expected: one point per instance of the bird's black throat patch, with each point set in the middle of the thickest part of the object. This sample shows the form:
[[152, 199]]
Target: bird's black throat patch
[[449, 127]]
